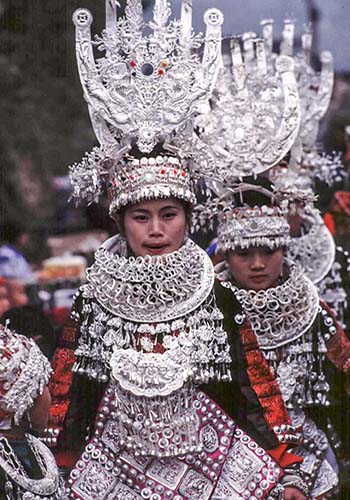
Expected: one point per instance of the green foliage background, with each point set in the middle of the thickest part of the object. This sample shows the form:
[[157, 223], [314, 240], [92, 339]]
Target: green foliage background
[[44, 123]]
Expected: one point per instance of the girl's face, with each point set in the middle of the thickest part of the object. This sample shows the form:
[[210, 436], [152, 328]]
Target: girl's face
[[17, 293], [155, 227], [255, 268], [4, 299], [39, 412]]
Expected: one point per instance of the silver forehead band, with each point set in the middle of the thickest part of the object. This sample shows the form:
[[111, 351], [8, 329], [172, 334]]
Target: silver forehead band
[[131, 180], [247, 227], [149, 178]]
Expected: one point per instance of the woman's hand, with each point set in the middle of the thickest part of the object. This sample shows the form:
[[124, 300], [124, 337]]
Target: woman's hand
[[291, 493]]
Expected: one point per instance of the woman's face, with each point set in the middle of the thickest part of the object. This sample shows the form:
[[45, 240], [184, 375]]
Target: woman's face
[[155, 227], [255, 268], [39, 412], [4, 300], [17, 293]]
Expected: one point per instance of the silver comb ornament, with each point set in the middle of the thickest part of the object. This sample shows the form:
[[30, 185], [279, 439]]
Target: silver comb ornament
[[314, 88], [254, 116], [315, 92], [145, 86]]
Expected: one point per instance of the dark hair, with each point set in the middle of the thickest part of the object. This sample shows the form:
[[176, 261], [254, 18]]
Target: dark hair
[[10, 231], [31, 321], [254, 198], [157, 150]]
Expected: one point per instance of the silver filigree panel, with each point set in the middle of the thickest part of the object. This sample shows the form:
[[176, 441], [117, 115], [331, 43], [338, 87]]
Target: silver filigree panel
[[151, 289]]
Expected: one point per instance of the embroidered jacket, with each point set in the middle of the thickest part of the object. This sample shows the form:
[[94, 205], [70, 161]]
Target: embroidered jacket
[[263, 408]]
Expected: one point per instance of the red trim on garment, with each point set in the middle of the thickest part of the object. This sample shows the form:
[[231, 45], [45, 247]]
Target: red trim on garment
[[329, 222], [66, 459], [338, 347], [59, 385], [266, 388], [262, 380], [284, 457]]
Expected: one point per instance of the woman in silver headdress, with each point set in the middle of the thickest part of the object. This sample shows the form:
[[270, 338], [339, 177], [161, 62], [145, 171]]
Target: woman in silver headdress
[[27, 467], [145, 329], [283, 336]]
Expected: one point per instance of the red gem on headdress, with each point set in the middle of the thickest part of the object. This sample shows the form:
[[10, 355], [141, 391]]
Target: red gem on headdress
[[175, 171], [161, 71], [183, 173], [133, 64], [131, 177], [163, 171]]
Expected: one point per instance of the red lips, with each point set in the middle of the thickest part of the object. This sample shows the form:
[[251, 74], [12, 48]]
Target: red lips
[[155, 249]]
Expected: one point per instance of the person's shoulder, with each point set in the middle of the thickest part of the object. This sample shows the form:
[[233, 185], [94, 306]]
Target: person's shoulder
[[226, 302], [224, 296], [7, 252]]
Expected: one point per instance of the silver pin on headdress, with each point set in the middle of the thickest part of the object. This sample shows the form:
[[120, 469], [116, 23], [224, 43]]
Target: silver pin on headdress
[[145, 88]]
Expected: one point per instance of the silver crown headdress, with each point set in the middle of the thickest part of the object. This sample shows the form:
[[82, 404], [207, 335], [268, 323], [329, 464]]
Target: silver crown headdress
[[314, 247], [240, 225], [254, 119], [246, 226], [143, 90], [24, 373]]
